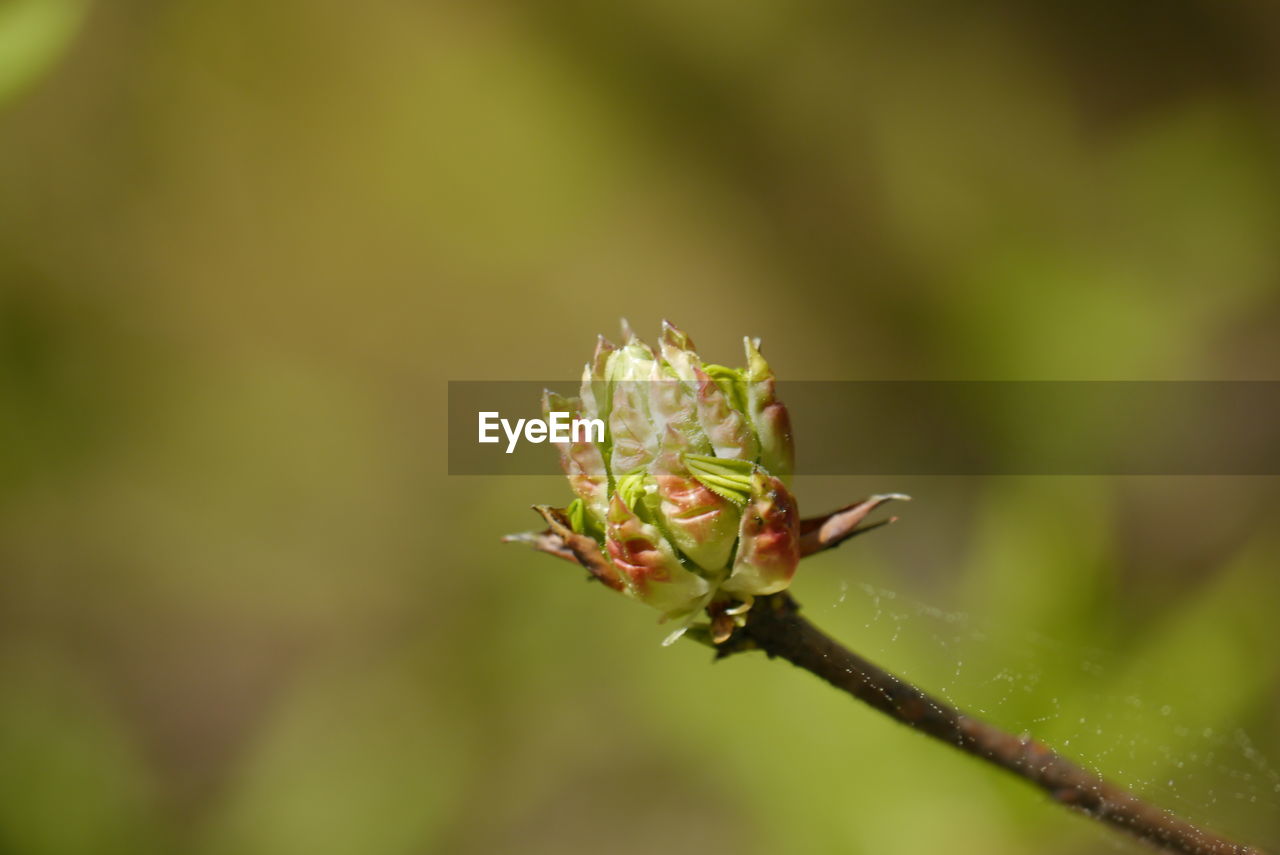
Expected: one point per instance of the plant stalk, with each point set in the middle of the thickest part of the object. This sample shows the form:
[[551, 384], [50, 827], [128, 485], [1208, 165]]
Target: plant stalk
[[776, 626]]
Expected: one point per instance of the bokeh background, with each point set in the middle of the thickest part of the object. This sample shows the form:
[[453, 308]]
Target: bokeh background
[[243, 246]]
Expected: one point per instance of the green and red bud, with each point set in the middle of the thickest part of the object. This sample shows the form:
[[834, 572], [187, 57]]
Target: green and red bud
[[685, 493]]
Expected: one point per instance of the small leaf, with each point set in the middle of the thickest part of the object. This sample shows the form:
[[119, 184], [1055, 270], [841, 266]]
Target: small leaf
[[726, 477]]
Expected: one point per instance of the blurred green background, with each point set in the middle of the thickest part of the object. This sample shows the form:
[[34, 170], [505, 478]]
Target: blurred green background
[[243, 246]]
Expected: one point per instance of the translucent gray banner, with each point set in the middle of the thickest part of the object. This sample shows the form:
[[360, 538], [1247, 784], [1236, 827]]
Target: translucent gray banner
[[947, 428]]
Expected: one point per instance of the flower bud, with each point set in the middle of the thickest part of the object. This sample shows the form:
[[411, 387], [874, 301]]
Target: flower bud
[[684, 496]]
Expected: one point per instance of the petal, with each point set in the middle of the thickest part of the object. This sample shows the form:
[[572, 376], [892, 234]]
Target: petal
[[673, 407], [727, 429], [769, 416], [631, 429], [582, 461], [701, 524], [678, 352], [649, 566], [768, 540]]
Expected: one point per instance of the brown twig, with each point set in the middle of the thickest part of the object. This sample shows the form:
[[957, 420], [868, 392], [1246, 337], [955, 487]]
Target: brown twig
[[776, 626]]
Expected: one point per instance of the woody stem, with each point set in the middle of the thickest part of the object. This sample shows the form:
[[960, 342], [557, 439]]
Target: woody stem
[[776, 626]]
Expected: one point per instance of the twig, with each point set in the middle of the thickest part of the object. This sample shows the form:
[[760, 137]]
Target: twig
[[776, 626]]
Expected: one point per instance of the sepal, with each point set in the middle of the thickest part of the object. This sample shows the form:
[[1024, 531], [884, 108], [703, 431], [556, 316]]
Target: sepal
[[649, 566], [768, 540]]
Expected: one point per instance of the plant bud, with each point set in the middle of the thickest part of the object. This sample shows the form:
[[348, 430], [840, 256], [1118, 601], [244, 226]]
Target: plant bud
[[684, 496]]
